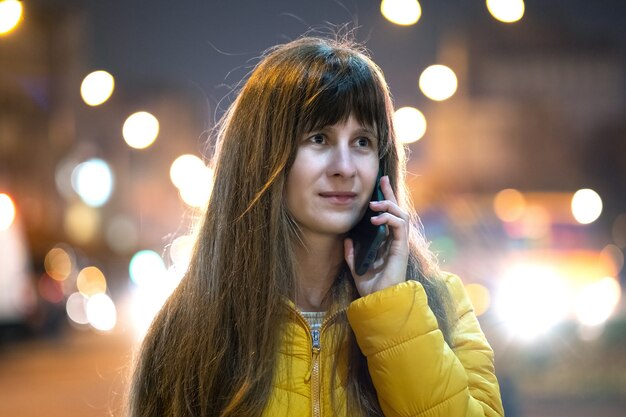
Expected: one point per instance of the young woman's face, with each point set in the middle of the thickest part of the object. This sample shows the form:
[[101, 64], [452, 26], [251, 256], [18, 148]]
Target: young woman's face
[[332, 177]]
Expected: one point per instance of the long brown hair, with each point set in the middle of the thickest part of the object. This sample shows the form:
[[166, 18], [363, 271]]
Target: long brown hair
[[212, 349]]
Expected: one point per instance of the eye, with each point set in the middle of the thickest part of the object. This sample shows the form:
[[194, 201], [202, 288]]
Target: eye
[[318, 138], [363, 142]]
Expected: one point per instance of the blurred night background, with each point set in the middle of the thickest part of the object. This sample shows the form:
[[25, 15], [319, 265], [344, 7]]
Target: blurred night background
[[514, 112]]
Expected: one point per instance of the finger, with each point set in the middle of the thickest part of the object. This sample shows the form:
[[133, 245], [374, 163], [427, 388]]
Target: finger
[[385, 187], [389, 207], [397, 225]]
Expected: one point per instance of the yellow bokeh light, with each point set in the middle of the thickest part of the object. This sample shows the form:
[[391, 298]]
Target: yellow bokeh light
[[58, 264], [480, 297], [438, 82], [10, 14], [586, 206], [81, 223], [97, 87], [91, 281], [509, 205], [7, 211], [401, 12], [140, 130], [507, 11], [409, 124]]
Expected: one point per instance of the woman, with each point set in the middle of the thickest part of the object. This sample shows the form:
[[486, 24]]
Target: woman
[[271, 318]]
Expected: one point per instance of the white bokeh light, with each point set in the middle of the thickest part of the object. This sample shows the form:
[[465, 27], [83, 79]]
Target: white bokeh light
[[97, 87], [101, 312], [148, 297], [550, 300], [586, 206], [146, 267], [438, 82], [193, 179], [409, 124], [93, 182], [596, 301], [75, 306], [140, 130]]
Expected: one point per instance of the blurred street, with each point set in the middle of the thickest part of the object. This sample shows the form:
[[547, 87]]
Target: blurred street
[[79, 374], [84, 373]]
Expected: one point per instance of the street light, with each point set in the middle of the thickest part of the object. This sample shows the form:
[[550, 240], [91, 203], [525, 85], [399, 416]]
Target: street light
[[10, 15]]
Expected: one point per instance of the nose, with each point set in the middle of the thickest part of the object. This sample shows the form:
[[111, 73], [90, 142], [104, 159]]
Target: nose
[[342, 162]]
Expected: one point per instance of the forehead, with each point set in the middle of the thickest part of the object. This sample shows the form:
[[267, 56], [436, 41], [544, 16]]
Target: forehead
[[353, 124]]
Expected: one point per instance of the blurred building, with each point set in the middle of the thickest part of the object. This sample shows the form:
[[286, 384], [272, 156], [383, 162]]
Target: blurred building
[[47, 131], [531, 102], [40, 68]]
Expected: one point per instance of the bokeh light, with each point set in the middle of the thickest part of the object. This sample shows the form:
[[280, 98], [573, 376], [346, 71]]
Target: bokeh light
[[63, 177], [509, 205], [597, 301], [586, 206], [193, 179], [507, 11], [547, 290], [401, 12], [153, 284], [75, 307], [145, 267], [91, 281], [480, 297], [10, 14], [140, 130], [97, 87], [58, 263], [81, 223], [618, 230], [93, 182], [438, 82], [181, 250], [7, 211], [101, 312], [409, 124]]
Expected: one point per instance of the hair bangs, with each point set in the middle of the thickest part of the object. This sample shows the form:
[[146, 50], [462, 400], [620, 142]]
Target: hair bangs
[[342, 86]]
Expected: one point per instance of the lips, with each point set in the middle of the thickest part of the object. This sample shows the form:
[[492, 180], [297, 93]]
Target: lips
[[339, 197]]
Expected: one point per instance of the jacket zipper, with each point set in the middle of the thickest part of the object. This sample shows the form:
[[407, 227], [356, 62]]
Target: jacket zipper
[[316, 347], [315, 373]]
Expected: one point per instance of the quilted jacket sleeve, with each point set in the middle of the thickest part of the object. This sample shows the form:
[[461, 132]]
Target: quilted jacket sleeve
[[414, 370]]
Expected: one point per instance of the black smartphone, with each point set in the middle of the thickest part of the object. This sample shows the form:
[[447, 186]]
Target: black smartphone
[[367, 237]]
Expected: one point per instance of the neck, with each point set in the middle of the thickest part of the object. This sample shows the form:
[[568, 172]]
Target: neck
[[318, 260]]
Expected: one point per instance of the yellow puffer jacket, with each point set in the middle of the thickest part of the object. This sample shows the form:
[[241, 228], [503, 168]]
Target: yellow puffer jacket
[[413, 369]]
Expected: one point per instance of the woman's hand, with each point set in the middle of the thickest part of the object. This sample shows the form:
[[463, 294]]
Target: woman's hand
[[390, 265]]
